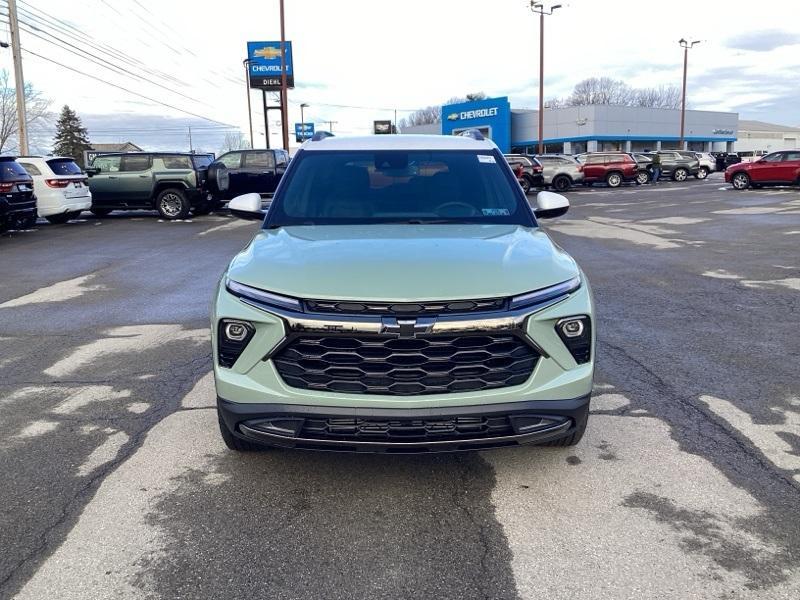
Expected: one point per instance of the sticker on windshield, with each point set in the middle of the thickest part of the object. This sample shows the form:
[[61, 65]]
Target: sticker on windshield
[[485, 158], [495, 212]]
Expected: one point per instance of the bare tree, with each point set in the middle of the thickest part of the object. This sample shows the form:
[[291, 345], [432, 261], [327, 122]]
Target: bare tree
[[433, 114], [36, 108], [601, 90], [554, 102], [663, 96], [423, 116], [235, 140]]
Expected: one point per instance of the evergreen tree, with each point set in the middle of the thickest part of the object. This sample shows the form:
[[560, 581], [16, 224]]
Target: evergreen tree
[[71, 137]]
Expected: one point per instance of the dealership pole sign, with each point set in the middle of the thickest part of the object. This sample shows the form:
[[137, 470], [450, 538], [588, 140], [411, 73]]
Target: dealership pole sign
[[264, 65], [303, 132]]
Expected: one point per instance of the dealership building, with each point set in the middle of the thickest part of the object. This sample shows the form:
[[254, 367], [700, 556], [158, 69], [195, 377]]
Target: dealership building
[[591, 128]]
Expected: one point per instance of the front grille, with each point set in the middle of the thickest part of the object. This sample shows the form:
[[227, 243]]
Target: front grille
[[405, 308], [406, 430], [433, 364]]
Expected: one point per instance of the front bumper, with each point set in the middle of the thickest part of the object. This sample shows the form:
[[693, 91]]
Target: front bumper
[[403, 431]]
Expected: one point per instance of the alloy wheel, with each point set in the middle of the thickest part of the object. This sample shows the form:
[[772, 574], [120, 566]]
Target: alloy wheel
[[171, 205]]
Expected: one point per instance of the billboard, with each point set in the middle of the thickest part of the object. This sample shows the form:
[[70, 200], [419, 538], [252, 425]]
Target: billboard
[[382, 127], [264, 66], [303, 132]]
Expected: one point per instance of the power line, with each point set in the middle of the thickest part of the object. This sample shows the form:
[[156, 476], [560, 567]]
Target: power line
[[124, 89]]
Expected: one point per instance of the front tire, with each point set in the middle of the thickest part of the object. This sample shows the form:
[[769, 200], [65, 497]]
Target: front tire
[[234, 443], [702, 173], [613, 180], [680, 174], [740, 181], [561, 183], [172, 204]]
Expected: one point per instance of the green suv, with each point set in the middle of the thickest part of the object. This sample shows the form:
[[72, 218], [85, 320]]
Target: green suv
[[172, 183], [400, 296]]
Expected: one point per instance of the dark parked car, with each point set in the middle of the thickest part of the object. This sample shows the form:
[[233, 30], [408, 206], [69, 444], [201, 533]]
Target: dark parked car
[[172, 183], [531, 176], [613, 168], [677, 165], [778, 168], [17, 201], [257, 171]]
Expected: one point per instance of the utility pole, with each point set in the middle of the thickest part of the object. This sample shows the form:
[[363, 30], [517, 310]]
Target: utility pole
[[686, 46], [246, 63], [284, 100], [191, 149], [266, 116], [19, 80], [539, 8]]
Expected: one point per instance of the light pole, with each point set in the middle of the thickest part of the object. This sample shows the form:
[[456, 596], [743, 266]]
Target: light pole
[[246, 63], [685, 45], [541, 10], [302, 122], [284, 108]]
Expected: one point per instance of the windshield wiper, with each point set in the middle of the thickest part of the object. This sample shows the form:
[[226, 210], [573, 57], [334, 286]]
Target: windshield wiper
[[427, 222]]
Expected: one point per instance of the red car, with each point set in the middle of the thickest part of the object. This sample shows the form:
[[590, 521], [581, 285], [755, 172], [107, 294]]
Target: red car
[[612, 168], [778, 168]]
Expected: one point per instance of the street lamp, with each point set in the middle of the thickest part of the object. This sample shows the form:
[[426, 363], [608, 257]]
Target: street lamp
[[538, 7], [685, 45], [246, 63], [302, 122]]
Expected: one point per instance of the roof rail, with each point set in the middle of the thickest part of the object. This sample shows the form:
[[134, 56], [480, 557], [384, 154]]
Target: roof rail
[[475, 134], [321, 135]]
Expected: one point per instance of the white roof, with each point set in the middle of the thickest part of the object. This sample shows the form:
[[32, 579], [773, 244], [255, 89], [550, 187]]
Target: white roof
[[399, 142]]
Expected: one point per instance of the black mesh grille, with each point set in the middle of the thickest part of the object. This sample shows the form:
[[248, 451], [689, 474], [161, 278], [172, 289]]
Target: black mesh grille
[[405, 308], [406, 430], [434, 364]]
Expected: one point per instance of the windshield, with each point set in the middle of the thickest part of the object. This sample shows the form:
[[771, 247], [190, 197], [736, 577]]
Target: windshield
[[398, 186]]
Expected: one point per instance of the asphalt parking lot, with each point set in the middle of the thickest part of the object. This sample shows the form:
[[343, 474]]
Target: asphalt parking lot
[[116, 484]]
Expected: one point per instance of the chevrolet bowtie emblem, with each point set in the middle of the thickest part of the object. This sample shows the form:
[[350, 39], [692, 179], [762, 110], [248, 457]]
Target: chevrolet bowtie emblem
[[407, 327]]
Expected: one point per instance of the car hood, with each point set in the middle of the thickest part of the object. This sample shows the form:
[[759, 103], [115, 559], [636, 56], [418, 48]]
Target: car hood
[[402, 262]]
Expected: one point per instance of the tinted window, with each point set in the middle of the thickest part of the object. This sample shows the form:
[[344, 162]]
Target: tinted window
[[595, 159], [775, 157], [134, 163], [177, 162], [61, 166], [107, 164], [398, 186], [282, 157], [202, 160], [792, 156], [31, 169], [232, 160], [11, 170], [258, 160]]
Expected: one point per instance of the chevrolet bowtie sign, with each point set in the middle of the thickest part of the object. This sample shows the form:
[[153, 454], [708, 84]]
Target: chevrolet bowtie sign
[[264, 65]]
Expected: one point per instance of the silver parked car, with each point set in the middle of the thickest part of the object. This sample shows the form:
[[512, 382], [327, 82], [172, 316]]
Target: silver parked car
[[560, 171]]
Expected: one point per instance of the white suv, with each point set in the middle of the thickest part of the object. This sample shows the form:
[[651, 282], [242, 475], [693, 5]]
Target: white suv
[[61, 187]]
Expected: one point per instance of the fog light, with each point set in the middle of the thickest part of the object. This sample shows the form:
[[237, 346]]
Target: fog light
[[572, 328], [236, 332]]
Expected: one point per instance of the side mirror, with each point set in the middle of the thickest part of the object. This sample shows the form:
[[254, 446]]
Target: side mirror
[[247, 206], [91, 171], [550, 205]]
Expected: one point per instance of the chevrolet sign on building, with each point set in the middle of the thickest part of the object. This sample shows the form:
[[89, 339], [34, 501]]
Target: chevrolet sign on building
[[492, 117]]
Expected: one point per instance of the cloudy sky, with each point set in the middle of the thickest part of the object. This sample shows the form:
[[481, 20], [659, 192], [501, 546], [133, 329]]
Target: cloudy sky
[[180, 61]]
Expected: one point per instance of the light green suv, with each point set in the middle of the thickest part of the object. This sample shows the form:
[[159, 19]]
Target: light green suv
[[401, 297]]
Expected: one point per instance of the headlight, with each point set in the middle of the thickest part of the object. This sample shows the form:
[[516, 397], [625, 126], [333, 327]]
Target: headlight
[[261, 297], [546, 294], [576, 333]]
